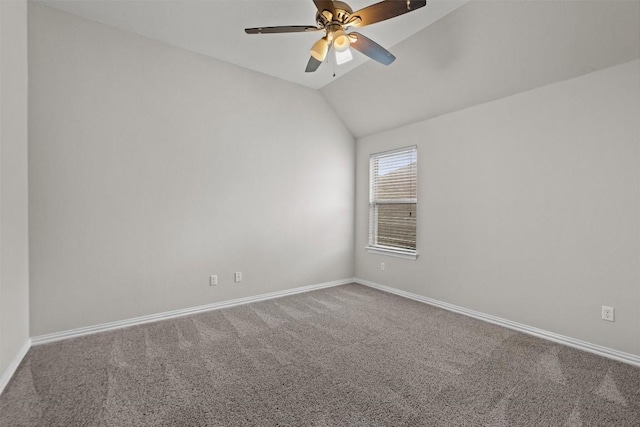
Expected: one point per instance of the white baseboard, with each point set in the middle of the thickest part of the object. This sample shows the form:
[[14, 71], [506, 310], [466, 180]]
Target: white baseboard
[[73, 333], [541, 333], [13, 366]]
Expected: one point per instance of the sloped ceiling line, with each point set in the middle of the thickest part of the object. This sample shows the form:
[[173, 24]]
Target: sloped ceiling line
[[451, 54]]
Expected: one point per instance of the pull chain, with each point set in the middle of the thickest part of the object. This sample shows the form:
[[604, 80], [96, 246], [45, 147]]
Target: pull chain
[[334, 69]]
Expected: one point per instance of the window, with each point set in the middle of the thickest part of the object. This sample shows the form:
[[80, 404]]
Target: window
[[393, 179]]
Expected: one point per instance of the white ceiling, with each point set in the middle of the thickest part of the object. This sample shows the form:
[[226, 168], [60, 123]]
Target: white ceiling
[[448, 57], [216, 28], [484, 51]]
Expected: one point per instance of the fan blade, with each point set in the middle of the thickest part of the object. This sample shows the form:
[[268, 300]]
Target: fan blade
[[283, 29], [312, 65], [385, 10], [372, 49], [325, 5]]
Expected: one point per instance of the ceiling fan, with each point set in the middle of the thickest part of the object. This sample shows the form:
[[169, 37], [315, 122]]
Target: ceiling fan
[[335, 18]]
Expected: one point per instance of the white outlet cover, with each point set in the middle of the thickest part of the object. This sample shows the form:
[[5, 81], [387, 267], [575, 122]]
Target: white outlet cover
[[608, 313]]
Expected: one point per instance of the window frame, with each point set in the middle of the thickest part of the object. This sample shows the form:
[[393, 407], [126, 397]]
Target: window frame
[[373, 227]]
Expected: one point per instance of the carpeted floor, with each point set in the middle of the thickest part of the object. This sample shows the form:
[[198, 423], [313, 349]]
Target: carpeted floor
[[343, 356]]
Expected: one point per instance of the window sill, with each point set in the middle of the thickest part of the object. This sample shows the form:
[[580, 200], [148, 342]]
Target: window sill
[[399, 253]]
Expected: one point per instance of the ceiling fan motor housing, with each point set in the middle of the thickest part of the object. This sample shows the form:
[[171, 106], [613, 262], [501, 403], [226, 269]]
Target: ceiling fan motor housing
[[341, 16]]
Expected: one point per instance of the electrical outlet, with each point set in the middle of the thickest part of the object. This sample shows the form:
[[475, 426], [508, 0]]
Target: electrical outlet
[[237, 276], [608, 313], [382, 266], [213, 280]]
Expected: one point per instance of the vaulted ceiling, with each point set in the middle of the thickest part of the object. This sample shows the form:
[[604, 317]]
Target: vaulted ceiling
[[484, 51], [451, 54], [216, 28]]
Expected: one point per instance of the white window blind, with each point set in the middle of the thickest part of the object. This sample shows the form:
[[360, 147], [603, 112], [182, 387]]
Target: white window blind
[[393, 199]]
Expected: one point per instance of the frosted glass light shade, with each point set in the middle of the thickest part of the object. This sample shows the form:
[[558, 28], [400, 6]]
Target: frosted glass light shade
[[341, 41], [319, 49], [344, 56]]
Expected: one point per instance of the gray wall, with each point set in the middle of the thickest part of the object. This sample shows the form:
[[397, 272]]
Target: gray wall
[[152, 167], [14, 257], [528, 208]]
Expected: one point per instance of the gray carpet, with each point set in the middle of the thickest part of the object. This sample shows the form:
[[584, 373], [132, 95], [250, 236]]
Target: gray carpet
[[343, 356]]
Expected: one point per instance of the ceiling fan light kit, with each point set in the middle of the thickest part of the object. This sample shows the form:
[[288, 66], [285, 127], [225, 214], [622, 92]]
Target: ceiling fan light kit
[[320, 49], [335, 17], [341, 41], [343, 57]]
